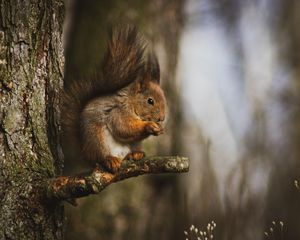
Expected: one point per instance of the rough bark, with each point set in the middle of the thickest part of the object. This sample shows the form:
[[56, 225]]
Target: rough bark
[[31, 66]]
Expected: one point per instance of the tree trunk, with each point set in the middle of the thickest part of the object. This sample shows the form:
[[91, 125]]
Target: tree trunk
[[31, 69]]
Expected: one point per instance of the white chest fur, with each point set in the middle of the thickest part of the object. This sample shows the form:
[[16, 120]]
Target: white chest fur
[[114, 147]]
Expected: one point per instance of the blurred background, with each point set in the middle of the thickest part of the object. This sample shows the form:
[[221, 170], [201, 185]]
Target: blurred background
[[231, 74]]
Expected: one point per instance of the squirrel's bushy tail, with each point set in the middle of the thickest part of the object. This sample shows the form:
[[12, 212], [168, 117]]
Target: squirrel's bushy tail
[[124, 59], [123, 62]]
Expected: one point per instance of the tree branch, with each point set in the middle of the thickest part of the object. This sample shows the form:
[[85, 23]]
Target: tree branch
[[66, 188]]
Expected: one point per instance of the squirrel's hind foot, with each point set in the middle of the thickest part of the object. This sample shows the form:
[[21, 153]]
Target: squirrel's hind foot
[[135, 155], [112, 164]]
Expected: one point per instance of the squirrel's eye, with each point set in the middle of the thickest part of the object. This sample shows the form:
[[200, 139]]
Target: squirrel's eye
[[151, 101]]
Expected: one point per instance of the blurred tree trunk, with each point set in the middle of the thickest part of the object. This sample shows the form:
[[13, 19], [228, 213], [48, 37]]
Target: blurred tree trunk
[[165, 26], [283, 201], [31, 66]]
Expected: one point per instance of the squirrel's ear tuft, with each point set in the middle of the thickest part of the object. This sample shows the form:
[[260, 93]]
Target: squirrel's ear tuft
[[152, 68]]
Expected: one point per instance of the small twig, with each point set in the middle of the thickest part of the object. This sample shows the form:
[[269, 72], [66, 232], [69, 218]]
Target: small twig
[[68, 188]]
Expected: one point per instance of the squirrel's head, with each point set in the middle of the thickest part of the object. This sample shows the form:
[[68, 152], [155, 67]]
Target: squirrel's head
[[149, 102]]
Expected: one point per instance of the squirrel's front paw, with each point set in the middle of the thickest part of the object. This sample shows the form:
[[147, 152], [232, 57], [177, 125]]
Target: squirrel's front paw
[[112, 164], [154, 128]]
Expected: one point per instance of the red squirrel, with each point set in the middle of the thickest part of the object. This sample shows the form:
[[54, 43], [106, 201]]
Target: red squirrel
[[109, 114]]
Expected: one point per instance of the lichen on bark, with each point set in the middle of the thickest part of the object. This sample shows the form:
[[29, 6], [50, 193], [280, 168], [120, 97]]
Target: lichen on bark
[[31, 63]]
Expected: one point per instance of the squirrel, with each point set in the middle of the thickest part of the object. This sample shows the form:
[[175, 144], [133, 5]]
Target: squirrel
[[109, 114]]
